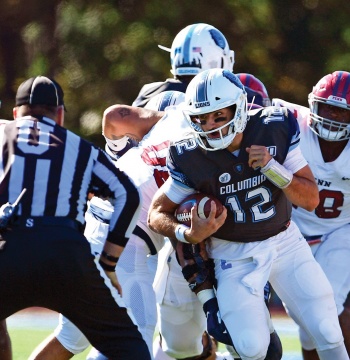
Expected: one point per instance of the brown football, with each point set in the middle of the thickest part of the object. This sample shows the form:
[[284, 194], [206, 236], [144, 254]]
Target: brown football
[[203, 201]]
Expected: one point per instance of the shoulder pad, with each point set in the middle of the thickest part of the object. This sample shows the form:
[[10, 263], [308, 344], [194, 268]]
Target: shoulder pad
[[274, 113]]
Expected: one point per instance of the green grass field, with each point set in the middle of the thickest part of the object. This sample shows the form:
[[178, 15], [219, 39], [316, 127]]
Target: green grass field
[[25, 340]]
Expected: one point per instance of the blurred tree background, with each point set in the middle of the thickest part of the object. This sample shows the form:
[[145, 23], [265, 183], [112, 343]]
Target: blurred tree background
[[103, 51]]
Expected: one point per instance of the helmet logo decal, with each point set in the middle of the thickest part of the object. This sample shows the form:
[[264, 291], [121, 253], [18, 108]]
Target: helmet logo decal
[[218, 38], [336, 98], [233, 78], [202, 104]]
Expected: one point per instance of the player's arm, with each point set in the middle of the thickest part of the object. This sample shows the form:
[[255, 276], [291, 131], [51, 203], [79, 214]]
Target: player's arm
[[135, 122], [294, 176], [303, 190], [161, 218]]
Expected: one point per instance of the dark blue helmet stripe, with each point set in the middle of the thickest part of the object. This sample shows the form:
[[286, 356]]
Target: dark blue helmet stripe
[[201, 92], [338, 82], [344, 81], [187, 45], [166, 101]]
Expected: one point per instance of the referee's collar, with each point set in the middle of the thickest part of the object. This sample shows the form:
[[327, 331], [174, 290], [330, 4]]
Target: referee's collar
[[39, 118]]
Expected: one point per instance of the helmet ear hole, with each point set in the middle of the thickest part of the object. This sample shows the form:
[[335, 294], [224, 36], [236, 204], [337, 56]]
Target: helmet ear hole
[[217, 98]]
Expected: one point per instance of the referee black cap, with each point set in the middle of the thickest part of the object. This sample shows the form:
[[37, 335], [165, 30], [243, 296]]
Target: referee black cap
[[39, 90]]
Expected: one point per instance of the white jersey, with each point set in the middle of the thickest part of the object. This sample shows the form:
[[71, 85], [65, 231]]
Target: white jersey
[[146, 163], [333, 180]]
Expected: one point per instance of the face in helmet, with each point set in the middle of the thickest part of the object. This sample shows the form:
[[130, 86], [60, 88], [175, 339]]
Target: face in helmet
[[329, 104], [219, 95], [164, 99], [199, 47], [258, 92]]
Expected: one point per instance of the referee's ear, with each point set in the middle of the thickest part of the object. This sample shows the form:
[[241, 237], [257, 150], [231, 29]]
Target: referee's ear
[[14, 112], [60, 115]]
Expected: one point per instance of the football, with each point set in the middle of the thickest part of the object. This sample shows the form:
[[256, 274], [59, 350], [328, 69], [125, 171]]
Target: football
[[203, 201]]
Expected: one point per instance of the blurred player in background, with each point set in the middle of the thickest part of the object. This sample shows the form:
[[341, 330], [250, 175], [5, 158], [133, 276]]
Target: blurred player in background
[[325, 133]]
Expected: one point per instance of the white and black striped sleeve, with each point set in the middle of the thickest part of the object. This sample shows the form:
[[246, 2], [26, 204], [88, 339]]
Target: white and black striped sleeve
[[126, 199]]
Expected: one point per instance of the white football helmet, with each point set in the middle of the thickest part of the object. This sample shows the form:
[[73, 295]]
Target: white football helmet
[[199, 47], [212, 90], [164, 99], [333, 89]]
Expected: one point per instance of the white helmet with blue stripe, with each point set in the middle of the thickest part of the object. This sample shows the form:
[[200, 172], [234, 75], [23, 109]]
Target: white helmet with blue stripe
[[212, 90], [164, 99], [199, 47]]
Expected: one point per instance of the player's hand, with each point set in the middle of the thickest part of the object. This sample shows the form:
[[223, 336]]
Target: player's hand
[[258, 156], [114, 280], [201, 229]]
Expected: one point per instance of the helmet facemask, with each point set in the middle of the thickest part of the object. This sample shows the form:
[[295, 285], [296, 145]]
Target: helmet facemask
[[327, 129]]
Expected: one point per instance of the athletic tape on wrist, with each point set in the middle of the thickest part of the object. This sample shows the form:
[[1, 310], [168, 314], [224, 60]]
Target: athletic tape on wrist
[[277, 174], [205, 295], [180, 233]]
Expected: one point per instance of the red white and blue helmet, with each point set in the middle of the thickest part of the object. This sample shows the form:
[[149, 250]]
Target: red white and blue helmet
[[164, 99], [333, 89], [259, 92], [212, 90], [199, 47]]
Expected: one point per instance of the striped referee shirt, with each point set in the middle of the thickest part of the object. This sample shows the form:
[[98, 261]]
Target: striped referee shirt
[[58, 169]]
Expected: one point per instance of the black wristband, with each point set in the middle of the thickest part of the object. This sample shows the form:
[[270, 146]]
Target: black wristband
[[106, 267], [109, 257]]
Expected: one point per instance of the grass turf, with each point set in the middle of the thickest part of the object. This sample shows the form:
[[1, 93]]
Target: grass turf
[[24, 341]]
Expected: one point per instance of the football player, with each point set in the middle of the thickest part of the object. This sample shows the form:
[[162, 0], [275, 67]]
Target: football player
[[195, 48], [325, 133], [257, 170], [255, 89]]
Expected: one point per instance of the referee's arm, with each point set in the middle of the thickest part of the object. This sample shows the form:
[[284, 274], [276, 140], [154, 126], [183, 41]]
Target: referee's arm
[[126, 200]]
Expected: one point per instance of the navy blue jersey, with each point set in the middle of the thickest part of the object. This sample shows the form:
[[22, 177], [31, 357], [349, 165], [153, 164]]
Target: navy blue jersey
[[150, 90], [257, 209]]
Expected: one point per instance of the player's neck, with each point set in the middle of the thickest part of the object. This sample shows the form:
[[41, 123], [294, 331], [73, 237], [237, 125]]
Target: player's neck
[[236, 143], [331, 150]]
